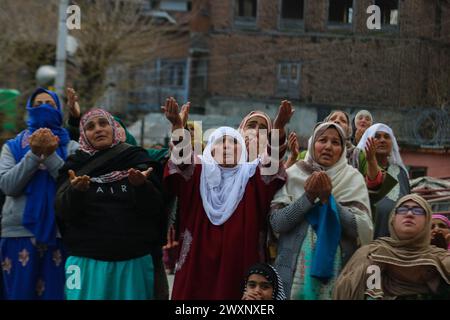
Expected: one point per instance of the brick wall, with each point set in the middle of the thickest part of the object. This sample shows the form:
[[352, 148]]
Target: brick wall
[[388, 69], [367, 71]]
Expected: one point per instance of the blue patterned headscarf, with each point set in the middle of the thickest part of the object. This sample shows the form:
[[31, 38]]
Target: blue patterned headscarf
[[39, 215]]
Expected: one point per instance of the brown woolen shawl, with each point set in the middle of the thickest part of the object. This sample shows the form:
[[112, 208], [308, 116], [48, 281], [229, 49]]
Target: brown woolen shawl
[[417, 251]]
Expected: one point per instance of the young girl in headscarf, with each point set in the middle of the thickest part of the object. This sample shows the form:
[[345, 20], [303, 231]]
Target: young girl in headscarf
[[112, 215], [263, 282], [31, 251], [402, 266]]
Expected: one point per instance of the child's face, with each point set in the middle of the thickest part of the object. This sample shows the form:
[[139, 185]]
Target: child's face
[[259, 287]]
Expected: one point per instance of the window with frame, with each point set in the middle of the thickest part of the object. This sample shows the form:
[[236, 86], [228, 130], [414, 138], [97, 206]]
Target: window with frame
[[199, 74], [245, 12], [340, 12], [389, 11], [292, 14], [245, 8], [289, 80], [172, 73], [292, 9]]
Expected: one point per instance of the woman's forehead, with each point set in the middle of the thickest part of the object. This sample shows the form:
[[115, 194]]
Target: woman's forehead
[[43, 97], [96, 118], [330, 131], [258, 277], [382, 132], [226, 138], [411, 203], [257, 118], [437, 220], [339, 114]]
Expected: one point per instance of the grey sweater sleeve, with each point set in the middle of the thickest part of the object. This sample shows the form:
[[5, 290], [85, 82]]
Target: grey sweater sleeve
[[54, 162], [15, 176], [348, 221], [284, 219]]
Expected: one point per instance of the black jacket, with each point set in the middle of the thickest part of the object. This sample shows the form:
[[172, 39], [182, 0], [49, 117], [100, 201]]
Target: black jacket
[[112, 221]]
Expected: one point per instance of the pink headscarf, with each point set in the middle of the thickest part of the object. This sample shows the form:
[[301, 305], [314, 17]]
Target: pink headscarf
[[445, 220], [85, 145], [252, 139], [442, 218], [253, 114]]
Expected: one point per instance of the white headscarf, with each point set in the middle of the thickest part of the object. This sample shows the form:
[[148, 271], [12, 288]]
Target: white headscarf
[[348, 184], [223, 188], [395, 157], [363, 113]]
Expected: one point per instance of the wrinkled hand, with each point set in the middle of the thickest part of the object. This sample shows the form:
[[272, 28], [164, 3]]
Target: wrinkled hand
[[318, 185], [184, 113], [172, 114], [251, 296], [79, 183], [371, 150], [43, 142], [284, 114], [171, 242], [36, 144], [72, 103], [50, 141], [137, 178], [293, 145]]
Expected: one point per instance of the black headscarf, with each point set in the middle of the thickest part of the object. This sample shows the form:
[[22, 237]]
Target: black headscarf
[[271, 274]]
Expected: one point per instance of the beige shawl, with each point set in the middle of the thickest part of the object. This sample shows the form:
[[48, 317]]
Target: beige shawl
[[352, 282], [349, 188]]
